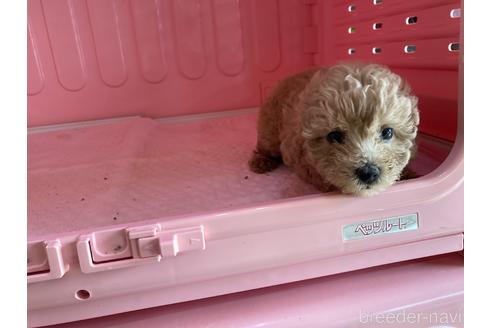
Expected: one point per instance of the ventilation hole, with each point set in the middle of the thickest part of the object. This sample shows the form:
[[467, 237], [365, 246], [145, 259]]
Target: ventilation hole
[[377, 26], [377, 2], [455, 13], [351, 8], [82, 294], [351, 29], [351, 51], [410, 49], [411, 20], [376, 50], [455, 46]]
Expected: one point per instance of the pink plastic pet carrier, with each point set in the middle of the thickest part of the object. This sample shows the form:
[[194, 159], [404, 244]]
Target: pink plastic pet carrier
[[141, 121], [421, 293]]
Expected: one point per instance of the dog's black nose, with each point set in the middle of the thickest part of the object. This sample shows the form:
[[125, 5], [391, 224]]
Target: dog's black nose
[[368, 173]]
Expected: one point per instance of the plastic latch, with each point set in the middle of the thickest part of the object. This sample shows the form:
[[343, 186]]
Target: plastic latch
[[97, 251], [186, 241], [45, 261], [172, 242], [183, 240], [143, 245]]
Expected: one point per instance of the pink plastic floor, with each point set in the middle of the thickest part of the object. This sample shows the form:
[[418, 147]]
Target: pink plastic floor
[[82, 177], [420, 293]]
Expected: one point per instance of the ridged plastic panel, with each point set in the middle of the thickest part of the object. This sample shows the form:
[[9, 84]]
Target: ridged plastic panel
[[417, 39], [93, 59]]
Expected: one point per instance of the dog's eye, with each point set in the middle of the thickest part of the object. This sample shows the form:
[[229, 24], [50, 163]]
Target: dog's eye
[[387, 133], [335, 136]]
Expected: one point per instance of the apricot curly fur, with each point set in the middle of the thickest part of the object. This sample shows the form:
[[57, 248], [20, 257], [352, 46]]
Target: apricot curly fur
[[358, 100]]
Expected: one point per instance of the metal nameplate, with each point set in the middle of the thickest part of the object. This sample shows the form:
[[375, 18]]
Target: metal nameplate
[[381, 226]]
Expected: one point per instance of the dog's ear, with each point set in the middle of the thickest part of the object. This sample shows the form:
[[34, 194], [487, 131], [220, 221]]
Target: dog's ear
[[406, 91], [415, 116]]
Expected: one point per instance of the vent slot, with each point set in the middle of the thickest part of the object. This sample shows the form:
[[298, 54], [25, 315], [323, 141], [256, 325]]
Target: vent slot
[[410, 49], [351, 8], [411, 20], [455, 13], [351, 51], [377, 26], [376, 50], [453, 47]]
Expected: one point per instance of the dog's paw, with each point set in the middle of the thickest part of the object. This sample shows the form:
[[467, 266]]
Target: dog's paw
[[260, 163]]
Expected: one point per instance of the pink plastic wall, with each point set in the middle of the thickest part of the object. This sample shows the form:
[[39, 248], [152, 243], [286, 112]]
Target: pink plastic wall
[[107, 58], [98, 59]]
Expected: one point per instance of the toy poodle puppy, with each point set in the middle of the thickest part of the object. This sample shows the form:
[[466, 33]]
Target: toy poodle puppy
[[350, 127]]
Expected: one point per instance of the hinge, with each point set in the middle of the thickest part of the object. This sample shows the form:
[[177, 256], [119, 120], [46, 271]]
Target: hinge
[[120, 248], [45, 261]]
